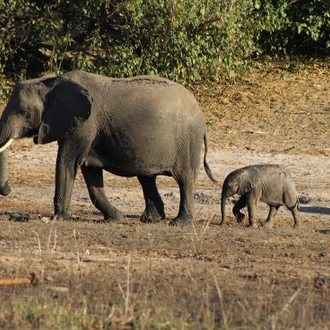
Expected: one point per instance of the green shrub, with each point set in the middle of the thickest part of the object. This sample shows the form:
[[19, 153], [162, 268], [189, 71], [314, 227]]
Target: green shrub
[[178, 39], [294, 27], [182, 39]]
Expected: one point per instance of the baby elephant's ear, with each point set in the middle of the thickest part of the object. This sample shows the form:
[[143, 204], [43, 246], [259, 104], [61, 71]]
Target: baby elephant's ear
[[69, 104], [249, 179]]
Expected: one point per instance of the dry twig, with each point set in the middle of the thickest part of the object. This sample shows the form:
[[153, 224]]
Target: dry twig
[[19, 280]]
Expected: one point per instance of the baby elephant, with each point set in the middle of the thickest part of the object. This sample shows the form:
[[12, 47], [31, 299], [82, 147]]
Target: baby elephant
[[271, 184]]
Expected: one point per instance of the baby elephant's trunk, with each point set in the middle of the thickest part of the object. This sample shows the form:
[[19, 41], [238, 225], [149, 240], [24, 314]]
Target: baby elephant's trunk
[[223, 207]]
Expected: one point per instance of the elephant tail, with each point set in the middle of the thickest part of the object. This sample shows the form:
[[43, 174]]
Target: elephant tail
[[206, 166]]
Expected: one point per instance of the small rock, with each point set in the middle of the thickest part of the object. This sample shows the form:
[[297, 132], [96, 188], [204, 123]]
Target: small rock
[[45, 219]]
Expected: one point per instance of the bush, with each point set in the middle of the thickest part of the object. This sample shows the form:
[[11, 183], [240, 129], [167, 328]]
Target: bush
[[294, 27], [178, 39], [182, 40]]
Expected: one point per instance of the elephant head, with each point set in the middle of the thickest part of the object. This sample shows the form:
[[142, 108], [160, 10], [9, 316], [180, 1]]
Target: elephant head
[[37, 108], [239, 182]]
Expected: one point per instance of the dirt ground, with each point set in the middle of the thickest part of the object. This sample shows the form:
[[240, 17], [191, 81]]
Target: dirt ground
[[203, 276]]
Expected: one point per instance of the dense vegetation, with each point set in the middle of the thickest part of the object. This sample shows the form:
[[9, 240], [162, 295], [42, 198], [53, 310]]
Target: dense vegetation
[[179, 39]]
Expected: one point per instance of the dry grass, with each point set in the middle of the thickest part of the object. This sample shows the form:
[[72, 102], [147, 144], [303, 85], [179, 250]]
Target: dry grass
[[144, 276], [276, 109]]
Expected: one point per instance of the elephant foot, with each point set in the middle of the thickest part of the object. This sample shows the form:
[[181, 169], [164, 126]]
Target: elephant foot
[[268, 225], [181, 221], [297, 225], [151, 217], [114, 216], [60, 217], [253, 225], [240, 217]]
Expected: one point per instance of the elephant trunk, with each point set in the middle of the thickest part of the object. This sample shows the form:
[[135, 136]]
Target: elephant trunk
[[4, 185], [6, 135], [223, 207], [5, 141]]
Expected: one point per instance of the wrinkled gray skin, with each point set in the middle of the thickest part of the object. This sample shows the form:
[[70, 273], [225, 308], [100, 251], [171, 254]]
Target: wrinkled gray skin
[[269, 183], [4, 185], [142, 126]]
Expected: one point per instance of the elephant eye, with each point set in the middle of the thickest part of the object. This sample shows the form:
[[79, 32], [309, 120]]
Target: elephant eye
[[26, 114]]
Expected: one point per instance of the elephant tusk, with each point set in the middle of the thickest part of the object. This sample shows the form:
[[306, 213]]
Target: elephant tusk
[[6, 145]]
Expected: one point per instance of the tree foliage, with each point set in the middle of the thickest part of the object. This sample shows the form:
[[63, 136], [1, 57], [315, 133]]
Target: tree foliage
[[178, 39], [298, 26]]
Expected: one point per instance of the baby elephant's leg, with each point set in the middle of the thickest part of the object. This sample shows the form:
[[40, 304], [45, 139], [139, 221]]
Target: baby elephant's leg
[[289, 200], [269, 223], [251, 203], [296, 216], [241, 203]]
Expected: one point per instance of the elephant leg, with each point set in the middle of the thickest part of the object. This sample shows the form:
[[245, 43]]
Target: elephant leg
[[251, 203], [154, 210], [296, 215], [241, 203], [94, 180], [186, 210], [64, 180], [269, 223]]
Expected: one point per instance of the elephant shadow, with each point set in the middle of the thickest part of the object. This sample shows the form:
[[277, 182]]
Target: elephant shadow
[[315, 209]]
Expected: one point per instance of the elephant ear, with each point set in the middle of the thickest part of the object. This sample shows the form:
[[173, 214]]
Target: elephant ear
[[69, 104], [249, 179]]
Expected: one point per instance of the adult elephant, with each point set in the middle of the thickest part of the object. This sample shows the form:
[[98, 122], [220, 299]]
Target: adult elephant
[[142, 126]]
